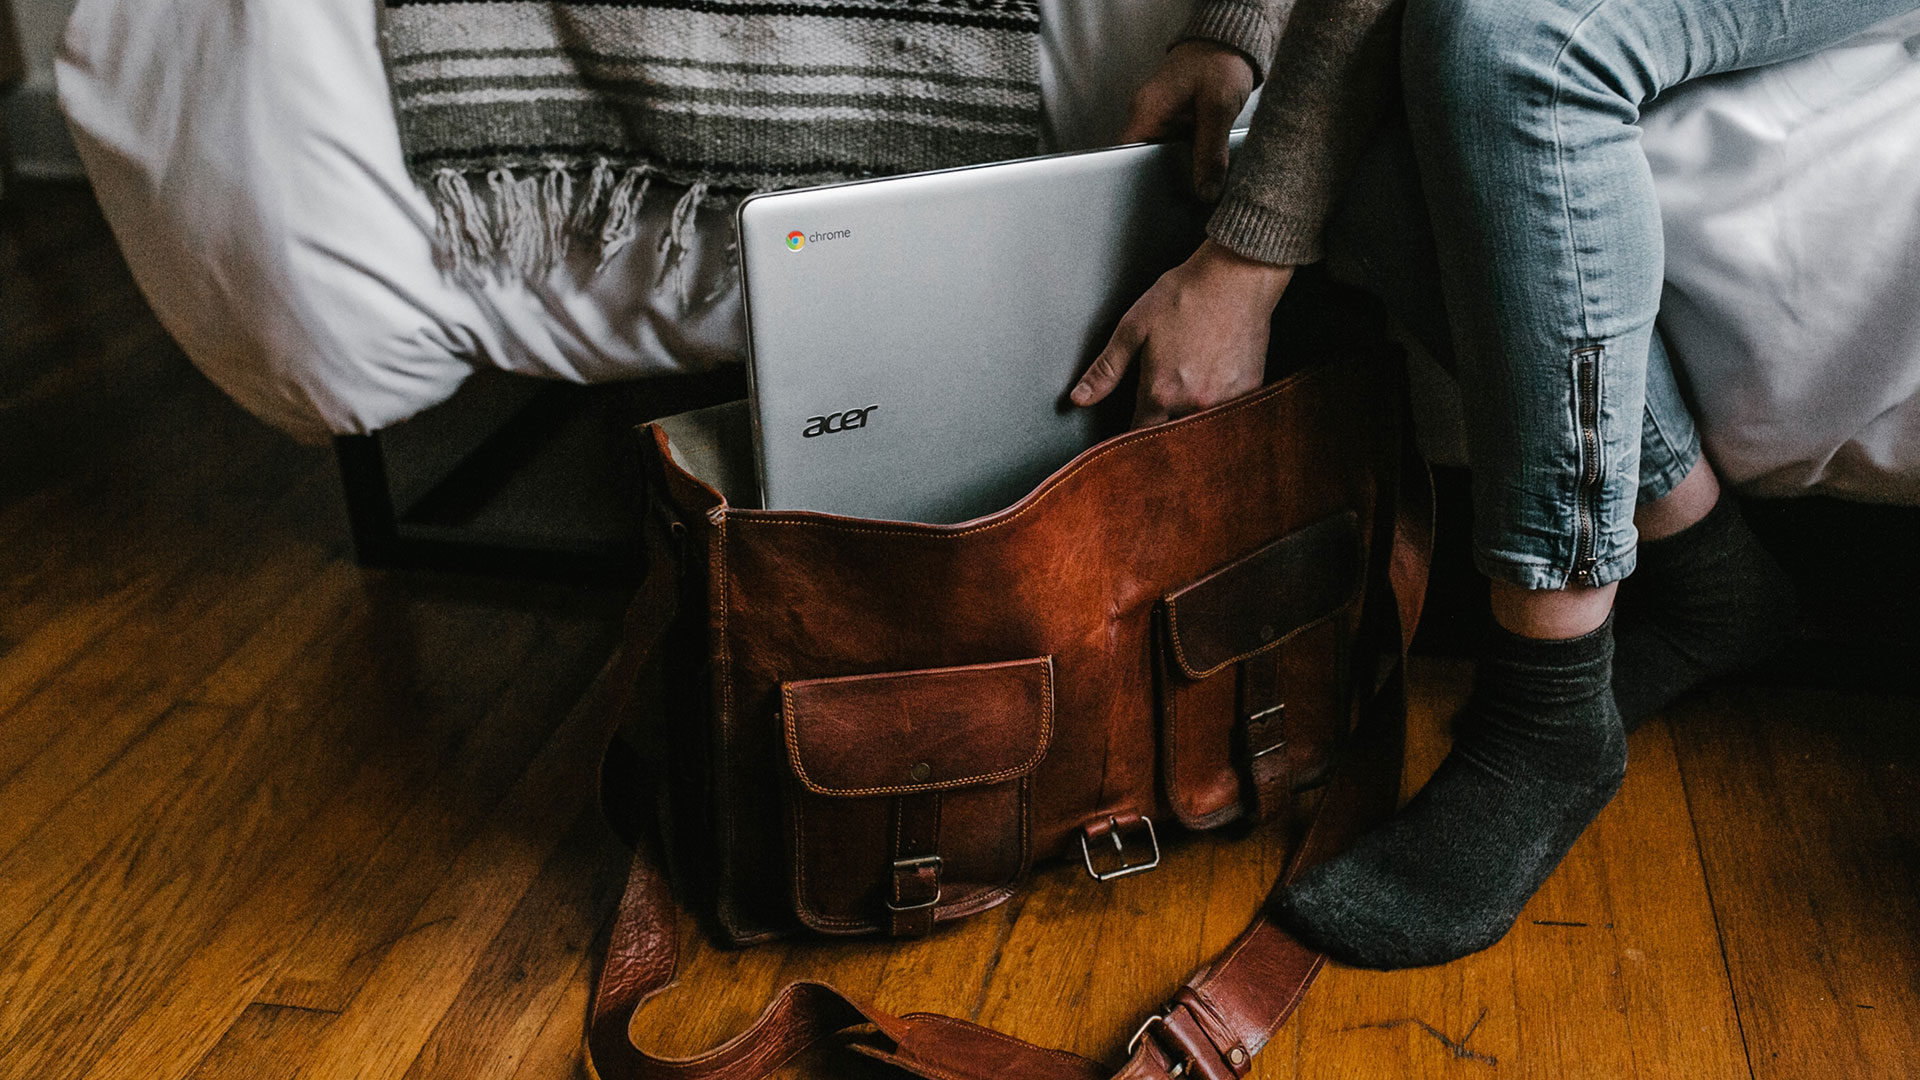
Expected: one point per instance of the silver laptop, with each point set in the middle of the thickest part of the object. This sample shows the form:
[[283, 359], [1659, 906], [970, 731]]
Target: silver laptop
[[913, 339]]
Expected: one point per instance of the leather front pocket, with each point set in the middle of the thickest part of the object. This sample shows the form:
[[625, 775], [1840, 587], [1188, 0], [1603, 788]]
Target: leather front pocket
[[908, 802], [1253, 673]]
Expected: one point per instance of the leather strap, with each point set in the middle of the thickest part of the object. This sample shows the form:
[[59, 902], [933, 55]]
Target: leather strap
[[1213, 1027], [916, 864], [1263, 711]]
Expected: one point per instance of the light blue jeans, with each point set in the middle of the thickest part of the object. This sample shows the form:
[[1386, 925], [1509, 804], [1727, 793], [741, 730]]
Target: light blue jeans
[[1549, 249]]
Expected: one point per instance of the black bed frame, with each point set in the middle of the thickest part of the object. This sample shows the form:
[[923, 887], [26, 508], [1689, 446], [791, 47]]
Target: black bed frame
[[514, 475]]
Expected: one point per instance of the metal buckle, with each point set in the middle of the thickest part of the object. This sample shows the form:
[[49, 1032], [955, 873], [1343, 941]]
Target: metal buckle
[[1260, 717], [1133, 1044], [916, 863], [1266, 712], [1120, 849]]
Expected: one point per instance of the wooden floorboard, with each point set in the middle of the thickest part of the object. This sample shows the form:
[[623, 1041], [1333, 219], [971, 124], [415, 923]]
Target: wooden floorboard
[[1808, 811], [288, 929], [266, 815]]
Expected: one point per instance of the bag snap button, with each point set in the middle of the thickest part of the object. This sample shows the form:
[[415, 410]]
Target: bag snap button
[[920, 771], [1267, 632]]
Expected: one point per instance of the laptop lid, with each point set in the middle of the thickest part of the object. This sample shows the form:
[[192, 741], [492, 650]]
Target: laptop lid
[[913, 339]]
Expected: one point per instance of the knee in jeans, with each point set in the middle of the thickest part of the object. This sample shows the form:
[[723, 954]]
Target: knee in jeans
[[1458, 52], [1498, 59]]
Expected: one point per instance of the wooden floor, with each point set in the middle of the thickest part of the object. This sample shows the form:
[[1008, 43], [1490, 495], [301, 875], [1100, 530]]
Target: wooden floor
[[265, 815]]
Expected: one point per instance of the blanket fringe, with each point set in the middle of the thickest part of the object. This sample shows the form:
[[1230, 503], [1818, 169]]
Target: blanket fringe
[[529, 218], [677, 240], [622, 220]]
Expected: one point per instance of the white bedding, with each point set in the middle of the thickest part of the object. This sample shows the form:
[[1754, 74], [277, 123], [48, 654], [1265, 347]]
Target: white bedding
[[246, 155], [1791, 197]]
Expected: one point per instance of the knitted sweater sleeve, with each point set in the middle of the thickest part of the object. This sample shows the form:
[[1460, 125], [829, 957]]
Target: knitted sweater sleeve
[[1250, 26], [1332, 76]]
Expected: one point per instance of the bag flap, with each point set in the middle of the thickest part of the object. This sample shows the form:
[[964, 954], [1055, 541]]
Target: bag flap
[[913, 731], [1260, 600]]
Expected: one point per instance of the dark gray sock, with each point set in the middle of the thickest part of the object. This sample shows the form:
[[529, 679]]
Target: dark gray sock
[[1537, 752], [1703, 602]]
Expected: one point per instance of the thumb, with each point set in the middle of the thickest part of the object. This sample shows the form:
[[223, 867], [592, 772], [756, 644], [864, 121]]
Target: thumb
[[1107, 368]]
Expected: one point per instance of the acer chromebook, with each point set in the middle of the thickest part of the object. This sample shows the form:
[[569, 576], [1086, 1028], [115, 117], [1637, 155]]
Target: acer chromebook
[[913, 339]]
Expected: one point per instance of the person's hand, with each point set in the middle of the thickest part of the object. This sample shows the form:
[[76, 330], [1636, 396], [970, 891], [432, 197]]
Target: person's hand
[[1200, 87], [1200, 333]]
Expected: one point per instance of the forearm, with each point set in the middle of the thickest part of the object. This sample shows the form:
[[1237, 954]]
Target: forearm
[[1251, 27], [1332, 81]]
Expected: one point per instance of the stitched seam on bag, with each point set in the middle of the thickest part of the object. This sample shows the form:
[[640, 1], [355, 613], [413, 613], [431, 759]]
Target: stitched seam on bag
[[1293, 1001], [728, 911], [1169, 697], [1212, 819], [954, 1021], [1046, 739], [803, 907], [1026, 833], [933, 1072], [1046, 742], [1149, 435], [1186, 667], [992, 897], [1241, 946], [1173, 610]]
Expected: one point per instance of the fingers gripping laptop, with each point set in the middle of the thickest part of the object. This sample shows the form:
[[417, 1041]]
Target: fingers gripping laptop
[[913, 339]]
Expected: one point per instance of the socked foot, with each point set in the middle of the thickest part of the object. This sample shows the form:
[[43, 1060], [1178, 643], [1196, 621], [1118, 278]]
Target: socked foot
[[1701, 603], [1538, 752]]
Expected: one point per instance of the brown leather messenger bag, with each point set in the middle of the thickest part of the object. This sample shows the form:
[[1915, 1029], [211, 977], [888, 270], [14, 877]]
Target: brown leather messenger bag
[[875, 727]]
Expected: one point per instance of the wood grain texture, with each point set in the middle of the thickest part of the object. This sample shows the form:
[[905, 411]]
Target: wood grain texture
[[1805, 805], [266, 815]]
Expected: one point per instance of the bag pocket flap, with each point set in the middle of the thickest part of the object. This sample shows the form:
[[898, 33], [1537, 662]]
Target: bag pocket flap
[[905, 732], [1262, 599]]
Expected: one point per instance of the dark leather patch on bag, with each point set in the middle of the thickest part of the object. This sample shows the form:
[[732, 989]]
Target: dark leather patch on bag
[[910, 798], [1253, 685]]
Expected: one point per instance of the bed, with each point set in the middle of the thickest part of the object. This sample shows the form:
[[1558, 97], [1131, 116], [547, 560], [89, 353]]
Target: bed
[[246, 155]]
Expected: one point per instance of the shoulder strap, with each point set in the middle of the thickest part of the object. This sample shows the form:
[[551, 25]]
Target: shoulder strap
[[1211, 1029]]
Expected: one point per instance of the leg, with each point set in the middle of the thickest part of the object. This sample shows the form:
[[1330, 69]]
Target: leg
[[1677, 486], [1705, 598], [1551, 246], [1549, 238]]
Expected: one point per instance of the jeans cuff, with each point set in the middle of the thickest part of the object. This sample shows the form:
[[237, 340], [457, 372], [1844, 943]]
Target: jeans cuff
[[1679, 462], [1550, 576]]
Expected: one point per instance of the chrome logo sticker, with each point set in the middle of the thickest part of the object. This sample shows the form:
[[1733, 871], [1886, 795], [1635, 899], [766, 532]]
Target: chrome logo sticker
[[800, 238]]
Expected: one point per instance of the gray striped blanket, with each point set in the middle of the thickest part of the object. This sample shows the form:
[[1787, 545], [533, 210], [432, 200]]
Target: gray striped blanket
[[536, 123]]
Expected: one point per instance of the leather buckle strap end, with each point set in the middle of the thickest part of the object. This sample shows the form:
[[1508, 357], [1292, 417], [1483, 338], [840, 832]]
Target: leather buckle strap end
[[1183, 1041], [1262, 731], [914, 885], [1112, 827], [907, 868]]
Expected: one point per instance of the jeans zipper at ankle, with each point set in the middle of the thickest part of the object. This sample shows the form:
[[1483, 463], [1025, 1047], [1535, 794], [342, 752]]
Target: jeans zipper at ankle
[[1586, 396]]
